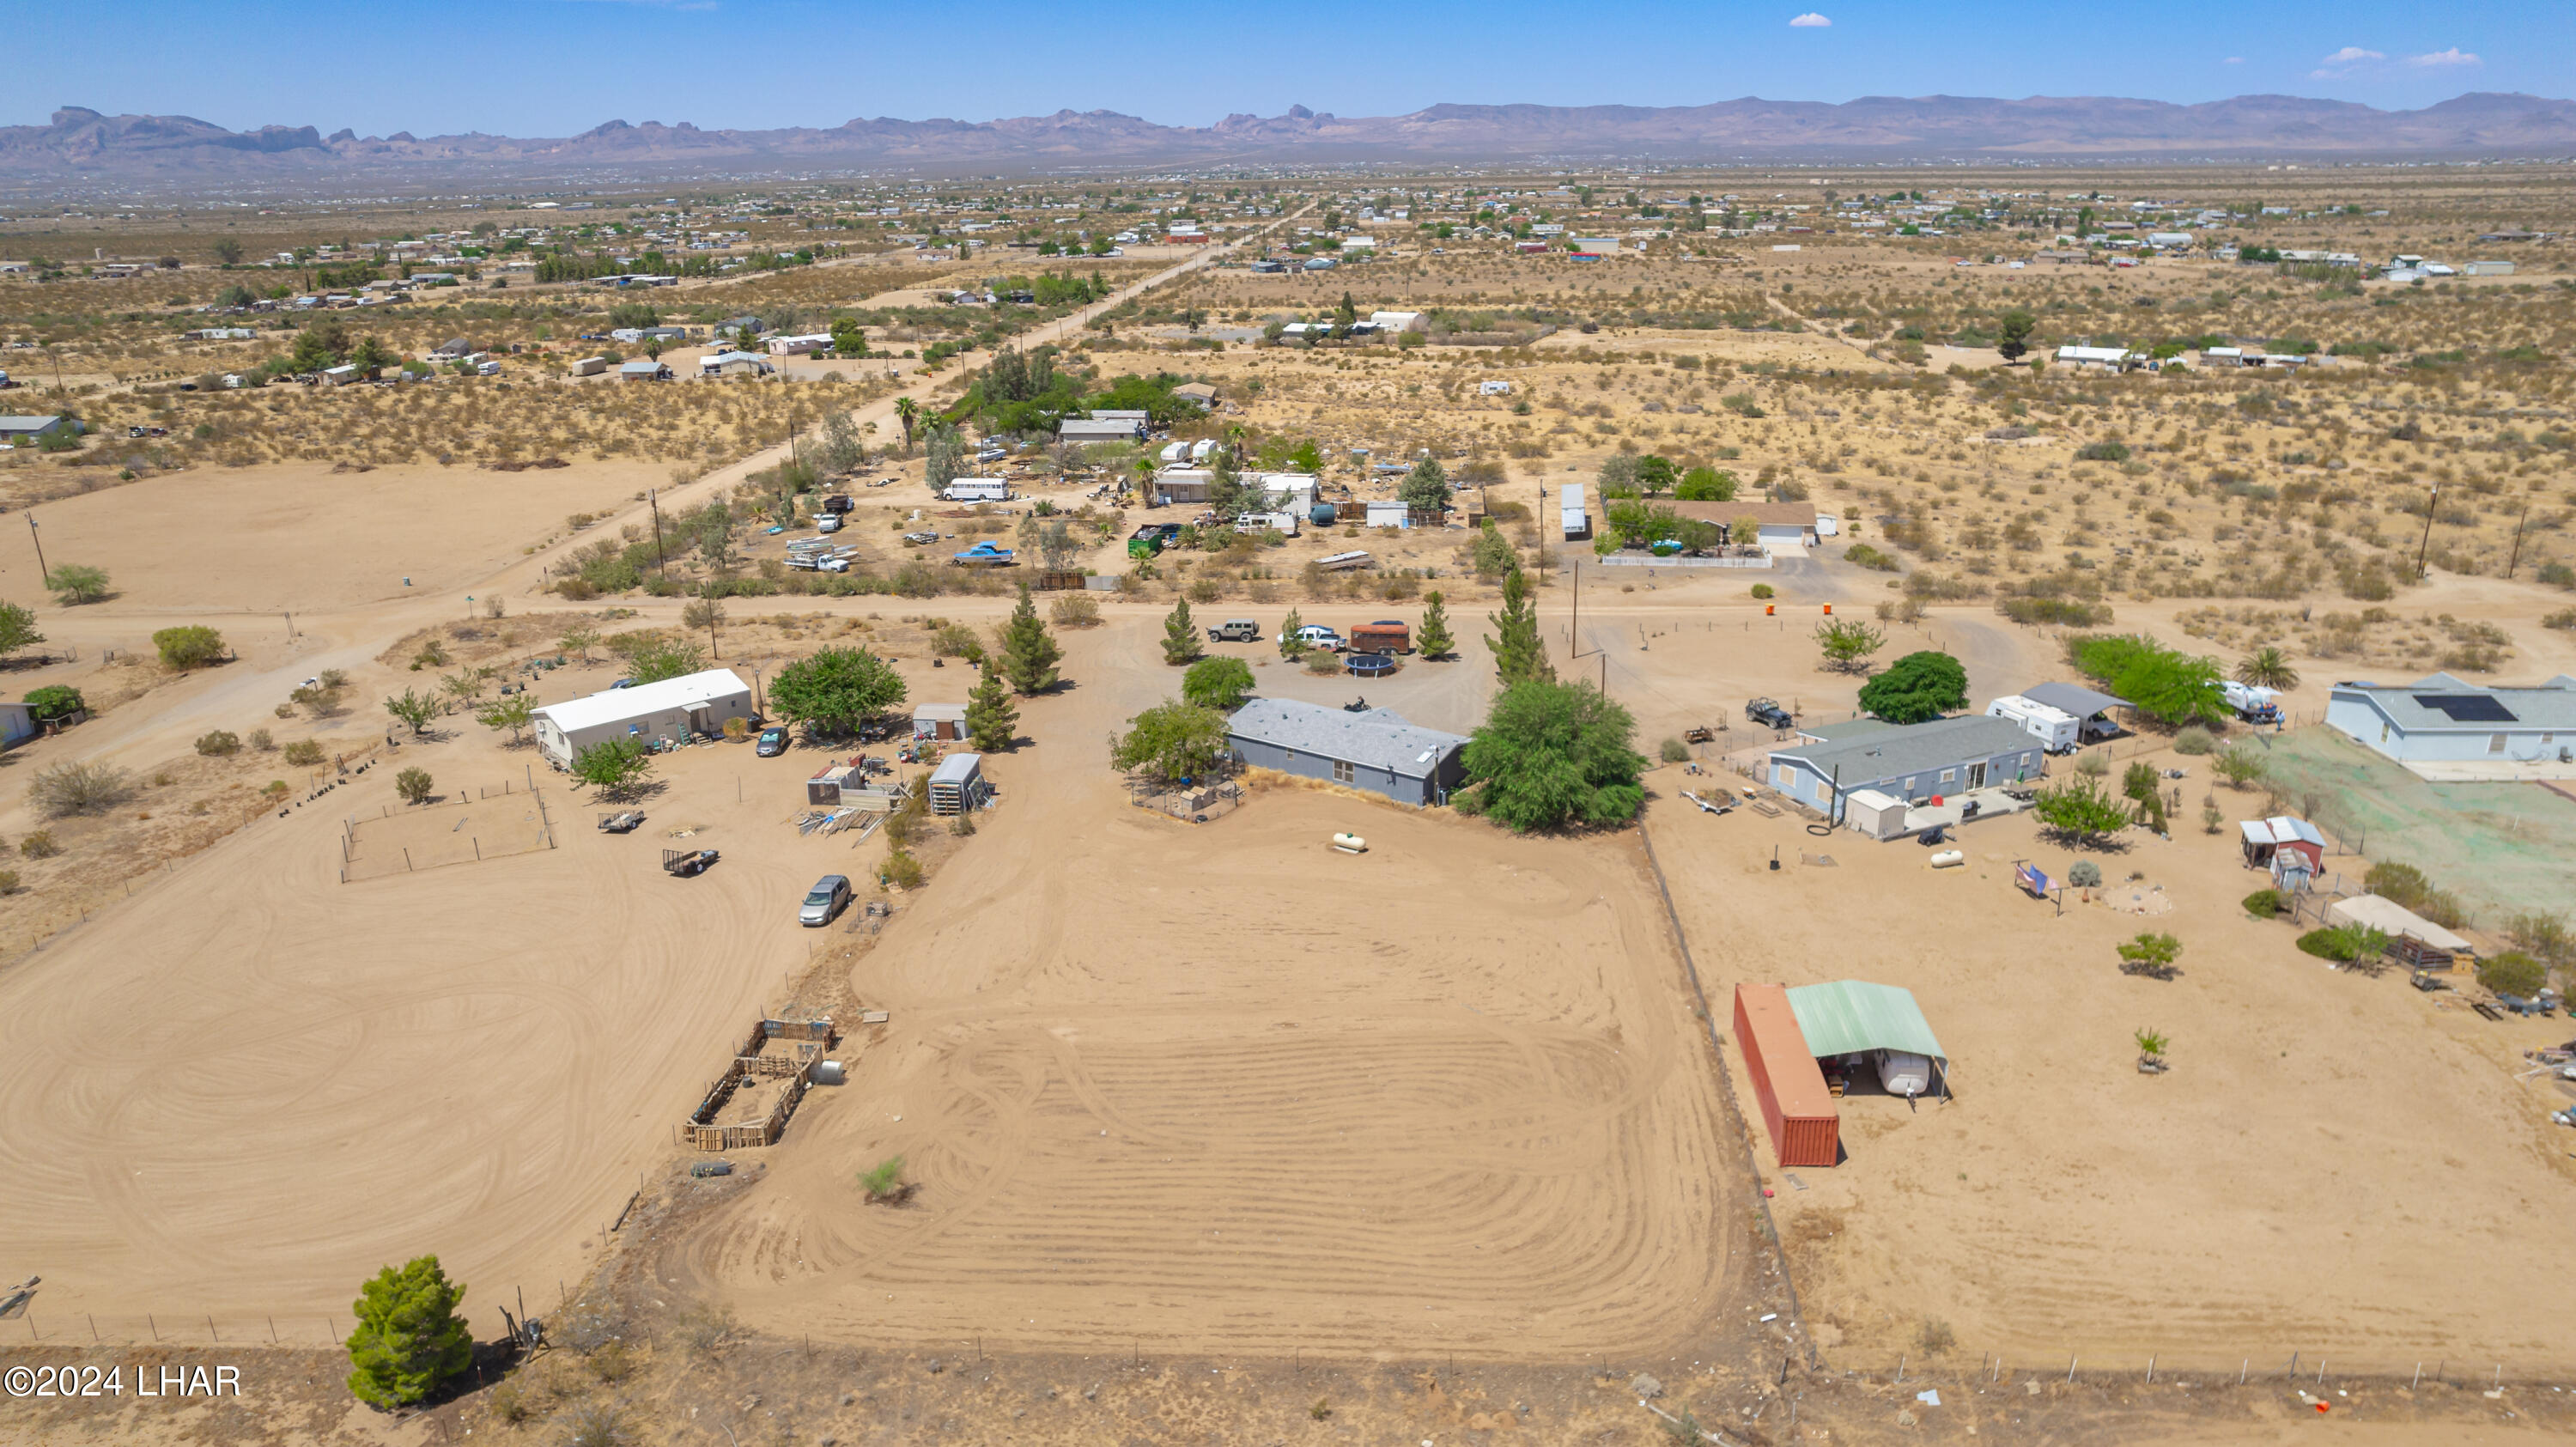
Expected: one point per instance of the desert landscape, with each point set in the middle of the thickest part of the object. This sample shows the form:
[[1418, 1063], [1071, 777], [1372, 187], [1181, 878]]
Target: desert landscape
[[312, 960]]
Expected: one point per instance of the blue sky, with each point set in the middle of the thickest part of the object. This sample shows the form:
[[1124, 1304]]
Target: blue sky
[[552, 67]]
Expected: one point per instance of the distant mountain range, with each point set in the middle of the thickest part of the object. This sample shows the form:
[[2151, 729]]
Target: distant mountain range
[[84, 145]]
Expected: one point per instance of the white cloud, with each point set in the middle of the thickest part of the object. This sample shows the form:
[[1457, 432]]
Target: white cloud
[[2453, 56], [2343, 61], [1811, 21], [2233, 60]]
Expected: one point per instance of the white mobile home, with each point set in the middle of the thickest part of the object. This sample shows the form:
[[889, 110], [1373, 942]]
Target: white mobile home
[[671, 709], [2442, 719]]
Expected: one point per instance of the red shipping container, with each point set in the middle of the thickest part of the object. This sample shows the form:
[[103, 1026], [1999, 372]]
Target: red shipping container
[[1796, 1107]]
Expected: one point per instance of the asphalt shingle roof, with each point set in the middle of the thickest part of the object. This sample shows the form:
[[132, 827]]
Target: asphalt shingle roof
[[2550, 706], [1377, 739], [1895, 752]]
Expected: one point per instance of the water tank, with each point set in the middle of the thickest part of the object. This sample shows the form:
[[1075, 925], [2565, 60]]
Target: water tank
[[1321, 515], [828, 1072], [1904, 1073]]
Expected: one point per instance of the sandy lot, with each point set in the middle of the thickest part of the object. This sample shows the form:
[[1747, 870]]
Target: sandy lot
[[2335, 1164], [250, 1087], [296, 535], [1224, 1087]]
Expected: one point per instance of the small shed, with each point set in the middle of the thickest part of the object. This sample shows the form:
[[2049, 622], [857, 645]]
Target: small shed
[[1798, 1111], [1389, 514], [2293, 849], [1874, 813], [824, 789], [957, 785], [939, 721]]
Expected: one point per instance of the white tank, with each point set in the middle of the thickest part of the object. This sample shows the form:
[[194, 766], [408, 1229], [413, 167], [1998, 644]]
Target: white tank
[[1904, 1074], [828, 1072]]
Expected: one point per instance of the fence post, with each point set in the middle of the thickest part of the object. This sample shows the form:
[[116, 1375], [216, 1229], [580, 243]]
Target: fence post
[[2070, 1371]]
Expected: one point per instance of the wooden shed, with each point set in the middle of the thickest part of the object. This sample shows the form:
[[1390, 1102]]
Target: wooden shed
[[1796, 1108]]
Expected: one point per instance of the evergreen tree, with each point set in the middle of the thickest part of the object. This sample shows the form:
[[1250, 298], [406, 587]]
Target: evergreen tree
[[1029, 652], [1426, 488], [1518, 654], [1181, 636], [990, 719], [409, 1337], [1289, 647], [1434, 640]]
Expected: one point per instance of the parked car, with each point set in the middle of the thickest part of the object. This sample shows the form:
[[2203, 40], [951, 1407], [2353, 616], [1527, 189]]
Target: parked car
[[772, 743], [1236, 630], [1769, 714], [833, 565], [1316, 635], [830, 895], [829, 522]]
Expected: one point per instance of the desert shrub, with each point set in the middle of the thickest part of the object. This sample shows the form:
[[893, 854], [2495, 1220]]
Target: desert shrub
[[2152, 955], [1676, 752], [2563, 618], [902, 869], [2043, 608], [218, 744], [8, 881], [2545, 937], [1323, 663], [1764, 590], [2195, 740], [2513, 973], [1864, 556], [2264, 904], [1074, 610], [2093, 765], [260, 739], [2103, 452], [190, 646], [39, 845], [303, 753], [610, 1363], [53, 701], [414, 785], [2084, 874], [81, 788]]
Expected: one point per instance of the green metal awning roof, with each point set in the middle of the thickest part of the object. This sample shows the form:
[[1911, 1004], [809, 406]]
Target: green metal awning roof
[[1848, 1017]]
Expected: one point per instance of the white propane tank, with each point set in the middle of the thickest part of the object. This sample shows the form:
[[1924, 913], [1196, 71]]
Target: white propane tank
[[1949, 859], [1350, 844]]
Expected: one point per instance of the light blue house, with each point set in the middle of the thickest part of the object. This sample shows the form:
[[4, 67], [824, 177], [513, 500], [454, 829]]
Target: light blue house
[[1912, 762], [2442, 719]]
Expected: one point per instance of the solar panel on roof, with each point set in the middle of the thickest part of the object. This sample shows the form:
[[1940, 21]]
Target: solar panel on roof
[[2468, 707]]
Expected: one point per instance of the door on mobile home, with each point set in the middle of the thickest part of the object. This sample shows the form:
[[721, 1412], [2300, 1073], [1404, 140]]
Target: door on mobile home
[[1976, 776]]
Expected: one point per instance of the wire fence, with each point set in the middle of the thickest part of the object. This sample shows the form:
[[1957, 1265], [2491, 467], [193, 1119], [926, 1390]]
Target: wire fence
[[2309, 1368]]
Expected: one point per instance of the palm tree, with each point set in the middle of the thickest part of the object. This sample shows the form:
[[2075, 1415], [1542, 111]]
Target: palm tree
[[2267, 667], [906, 411]]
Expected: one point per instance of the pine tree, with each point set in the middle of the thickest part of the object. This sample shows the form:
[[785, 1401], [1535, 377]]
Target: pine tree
[[1518, 653], [1181, 636], [1029, 652], [1434, 640], [1289, 646], [990, 719], [409, 1337]]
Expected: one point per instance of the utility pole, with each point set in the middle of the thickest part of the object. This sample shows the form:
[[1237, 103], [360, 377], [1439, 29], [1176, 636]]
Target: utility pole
[[44, 574], [2425, 547], [653, 497], [2516, 557]]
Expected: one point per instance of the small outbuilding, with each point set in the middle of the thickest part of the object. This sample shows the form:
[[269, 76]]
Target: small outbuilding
[[2411, 937], [939, 721], [1099, 429], [1376, 750], [957, 785], [695, 703], [2294, 850]]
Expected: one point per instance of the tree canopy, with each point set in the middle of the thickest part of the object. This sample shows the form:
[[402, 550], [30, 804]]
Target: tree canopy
[[834, 688], [1171, 740], [1434, 639], [1519, 654], [1029, 652], [990, 720], [1425, 488], [614, 766], [1218, 683], [408, 1337], [1181, 636], [1554, 754], [17, 628], [1848, 643], [2081, 810], [2163, 683], [1917, 687]]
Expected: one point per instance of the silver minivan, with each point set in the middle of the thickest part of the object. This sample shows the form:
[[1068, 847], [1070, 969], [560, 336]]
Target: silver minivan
[[830, 895]]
